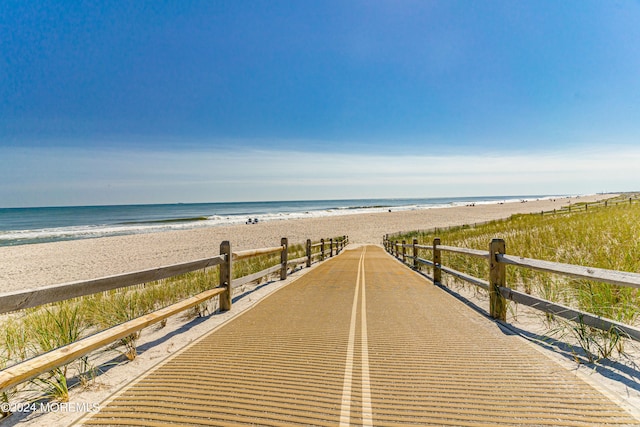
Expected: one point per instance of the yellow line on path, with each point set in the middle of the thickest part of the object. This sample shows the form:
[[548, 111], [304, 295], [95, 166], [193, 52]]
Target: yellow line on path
[[367, 415], [345, 410]]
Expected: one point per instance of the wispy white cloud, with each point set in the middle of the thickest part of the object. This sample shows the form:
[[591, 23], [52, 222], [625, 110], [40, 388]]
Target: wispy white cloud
[[50, 176]]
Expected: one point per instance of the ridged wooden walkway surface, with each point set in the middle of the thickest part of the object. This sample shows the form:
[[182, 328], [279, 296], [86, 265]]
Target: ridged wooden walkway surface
[[360, 340]]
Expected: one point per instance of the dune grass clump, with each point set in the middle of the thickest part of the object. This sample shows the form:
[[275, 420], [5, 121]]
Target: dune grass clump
[[603, 237], [118, 307], [38, 331], [52, 327], [250, 265], [15, 340]]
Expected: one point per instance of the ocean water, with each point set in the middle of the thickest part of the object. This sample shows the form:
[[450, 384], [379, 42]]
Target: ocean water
[[21, 226]]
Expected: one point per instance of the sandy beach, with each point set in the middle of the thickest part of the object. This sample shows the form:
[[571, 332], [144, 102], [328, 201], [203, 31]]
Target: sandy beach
[[37, 265]]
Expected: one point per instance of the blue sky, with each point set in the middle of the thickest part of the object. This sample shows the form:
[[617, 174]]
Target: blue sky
[[150, 102]]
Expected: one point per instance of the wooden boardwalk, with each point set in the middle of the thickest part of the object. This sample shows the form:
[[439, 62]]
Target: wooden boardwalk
[[360, 340]]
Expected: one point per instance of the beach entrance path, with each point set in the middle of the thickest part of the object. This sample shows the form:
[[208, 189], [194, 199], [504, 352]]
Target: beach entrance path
[[360, 340]]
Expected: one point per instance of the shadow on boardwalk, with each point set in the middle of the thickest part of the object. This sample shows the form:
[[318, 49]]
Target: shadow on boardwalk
[[624, 372]]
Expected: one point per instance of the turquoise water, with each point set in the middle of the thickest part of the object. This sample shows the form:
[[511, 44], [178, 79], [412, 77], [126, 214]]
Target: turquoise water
[[19, 226]]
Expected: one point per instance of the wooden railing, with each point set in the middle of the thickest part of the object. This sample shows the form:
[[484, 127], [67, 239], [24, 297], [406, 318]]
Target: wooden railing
[[601, 203], [627, 199], [498, 291], [14, 301]]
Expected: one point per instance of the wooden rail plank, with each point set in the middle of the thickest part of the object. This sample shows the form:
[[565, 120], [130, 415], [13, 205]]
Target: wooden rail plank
[[255, 276], [424, 247], [471, 252], [297, 260], [19, 300], [620, 278], [570, 313], [31, 368], [424, 261], [467, 278], [255, 252]]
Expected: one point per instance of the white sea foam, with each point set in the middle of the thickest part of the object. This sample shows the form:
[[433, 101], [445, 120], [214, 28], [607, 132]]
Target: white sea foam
[[13, 237]]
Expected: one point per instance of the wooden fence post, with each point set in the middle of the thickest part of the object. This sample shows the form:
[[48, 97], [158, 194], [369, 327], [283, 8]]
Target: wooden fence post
[[226, 269], [415, 254], [395, 248], [284, 257], [404, 252], [437, 261], [308, 252], [497, 278], [331, 247], [321, 249]]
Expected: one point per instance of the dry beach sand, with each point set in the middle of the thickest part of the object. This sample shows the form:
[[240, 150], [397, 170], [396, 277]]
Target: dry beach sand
[[43, 264], [37, 265]]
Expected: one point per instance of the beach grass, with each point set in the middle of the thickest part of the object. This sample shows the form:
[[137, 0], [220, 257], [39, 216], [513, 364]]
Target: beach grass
[[604, 237]]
